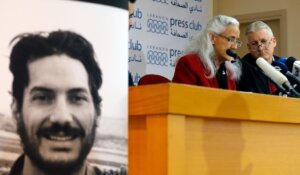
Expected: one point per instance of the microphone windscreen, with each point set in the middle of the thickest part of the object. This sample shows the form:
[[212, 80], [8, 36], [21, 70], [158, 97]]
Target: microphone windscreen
[[231, 53], [280, 67], [296, 68], [270, 71], [290, 63], [282, 60]]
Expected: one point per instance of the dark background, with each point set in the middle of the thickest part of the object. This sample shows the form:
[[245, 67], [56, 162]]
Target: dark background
[[116, 3]]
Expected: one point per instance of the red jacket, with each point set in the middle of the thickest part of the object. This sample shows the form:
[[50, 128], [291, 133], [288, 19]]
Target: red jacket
[[190, 70]]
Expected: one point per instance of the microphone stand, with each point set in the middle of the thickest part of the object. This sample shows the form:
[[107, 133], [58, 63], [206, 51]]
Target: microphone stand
[[291, 92]]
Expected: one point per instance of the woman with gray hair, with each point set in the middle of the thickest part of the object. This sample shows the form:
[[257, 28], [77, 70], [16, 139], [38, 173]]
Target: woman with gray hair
[[206, 62]]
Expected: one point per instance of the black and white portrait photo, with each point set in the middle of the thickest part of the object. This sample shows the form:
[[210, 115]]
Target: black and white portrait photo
[[64, 87]]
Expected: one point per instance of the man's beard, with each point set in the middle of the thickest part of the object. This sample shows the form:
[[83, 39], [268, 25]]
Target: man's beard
[[31, 149]]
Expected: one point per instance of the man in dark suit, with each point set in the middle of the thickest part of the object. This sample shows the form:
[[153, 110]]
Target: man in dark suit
[[261, 43]]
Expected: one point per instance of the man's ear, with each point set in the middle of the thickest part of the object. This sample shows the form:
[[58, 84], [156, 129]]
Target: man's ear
[[274, 41]]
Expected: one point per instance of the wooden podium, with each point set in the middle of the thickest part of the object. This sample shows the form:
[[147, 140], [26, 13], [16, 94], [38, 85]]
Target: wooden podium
[[187, 130]]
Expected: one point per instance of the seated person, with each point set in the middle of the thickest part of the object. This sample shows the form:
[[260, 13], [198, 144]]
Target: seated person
[[261, 43], [206, 62]]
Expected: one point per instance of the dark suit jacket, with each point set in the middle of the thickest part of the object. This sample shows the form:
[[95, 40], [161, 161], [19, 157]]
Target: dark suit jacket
[[253, 79]]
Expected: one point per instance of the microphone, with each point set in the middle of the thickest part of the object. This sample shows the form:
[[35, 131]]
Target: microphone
[[235, 56], [289, 62], [292, 64], [284, 70], [282, 60], [276, 76], [296, 68], [232, 54]]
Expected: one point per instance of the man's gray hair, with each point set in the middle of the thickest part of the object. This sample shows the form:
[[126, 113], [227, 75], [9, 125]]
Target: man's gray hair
[[258, 25]]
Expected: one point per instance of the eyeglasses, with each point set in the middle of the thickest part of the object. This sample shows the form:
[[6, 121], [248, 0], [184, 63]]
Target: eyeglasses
[[264, 43], [231, 40]]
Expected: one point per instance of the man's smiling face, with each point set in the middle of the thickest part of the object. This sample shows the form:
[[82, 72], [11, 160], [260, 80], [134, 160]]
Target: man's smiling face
[[57, 121]]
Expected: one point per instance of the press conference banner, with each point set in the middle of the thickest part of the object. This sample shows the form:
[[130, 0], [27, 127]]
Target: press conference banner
[[105, 26], [161, 30]]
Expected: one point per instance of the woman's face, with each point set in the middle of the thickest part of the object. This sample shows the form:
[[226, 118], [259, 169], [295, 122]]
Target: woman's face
[[229, 39]]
